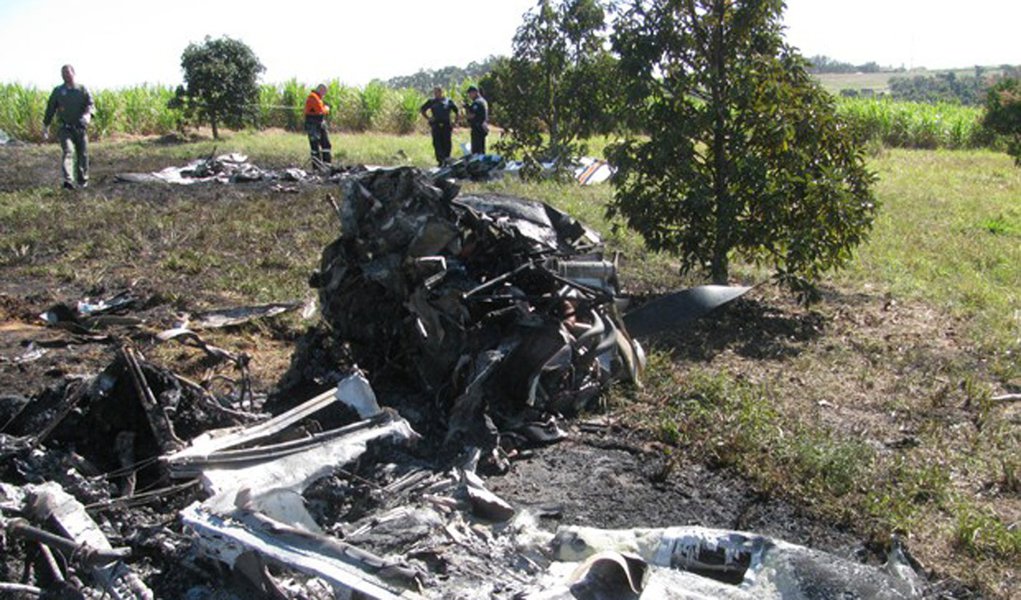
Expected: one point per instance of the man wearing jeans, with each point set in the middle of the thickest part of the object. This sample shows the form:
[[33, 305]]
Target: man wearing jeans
[[73, 105]]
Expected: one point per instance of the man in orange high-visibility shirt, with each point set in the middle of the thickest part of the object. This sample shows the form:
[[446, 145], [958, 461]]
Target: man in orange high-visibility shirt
[[315, 126]]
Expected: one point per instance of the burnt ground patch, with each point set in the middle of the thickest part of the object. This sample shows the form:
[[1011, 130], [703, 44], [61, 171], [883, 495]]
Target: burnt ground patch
[[605, 480]]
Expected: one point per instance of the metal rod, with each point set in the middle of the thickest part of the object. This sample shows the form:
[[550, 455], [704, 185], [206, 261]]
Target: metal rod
[[158, 421], [6, 586], [51, 561], [500, 279], [84, 553], [141, 498]]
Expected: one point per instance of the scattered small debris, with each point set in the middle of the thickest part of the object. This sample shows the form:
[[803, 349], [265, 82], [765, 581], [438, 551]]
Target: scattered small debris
[[585, 170], [229, 317], [476, 167], [234, 168], [484, 167], [89, 315], [32, 353]]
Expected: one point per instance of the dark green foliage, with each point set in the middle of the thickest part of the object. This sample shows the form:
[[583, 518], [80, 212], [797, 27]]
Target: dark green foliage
[[558, 88], [1003, 114], [941, 87], [744, 152], [220, 83]]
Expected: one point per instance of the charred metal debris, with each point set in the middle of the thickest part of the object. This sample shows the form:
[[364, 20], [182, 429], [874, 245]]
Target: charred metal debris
[[482, 320], [501, 311]]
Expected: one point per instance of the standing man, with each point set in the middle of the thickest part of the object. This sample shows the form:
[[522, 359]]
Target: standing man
[[315, 126], [72, 104], [441, 123], [478, 118]]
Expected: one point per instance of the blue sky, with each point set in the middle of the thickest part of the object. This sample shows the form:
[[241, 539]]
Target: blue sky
[[115, 43]]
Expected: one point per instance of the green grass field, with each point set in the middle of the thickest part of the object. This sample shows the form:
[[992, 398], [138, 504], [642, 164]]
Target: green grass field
[[950, 233], [872, 410], [834, 83]]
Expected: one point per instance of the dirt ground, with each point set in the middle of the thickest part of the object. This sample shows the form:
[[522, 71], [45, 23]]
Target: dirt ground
[[825, 361]]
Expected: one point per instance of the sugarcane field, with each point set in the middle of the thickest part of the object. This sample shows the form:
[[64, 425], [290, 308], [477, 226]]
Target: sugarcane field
[[645, 305]]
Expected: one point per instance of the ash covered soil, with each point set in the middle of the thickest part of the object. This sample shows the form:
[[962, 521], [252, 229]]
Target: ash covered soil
[[610, 472], [608, 477]]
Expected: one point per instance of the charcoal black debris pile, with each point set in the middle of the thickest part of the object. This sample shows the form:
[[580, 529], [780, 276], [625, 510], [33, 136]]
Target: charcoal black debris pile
[[80, 470], [500, 309]]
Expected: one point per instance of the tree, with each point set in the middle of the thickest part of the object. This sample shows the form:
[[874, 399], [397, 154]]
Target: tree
[[743, 152], [1003, 114], [557, 88], [221, 83]]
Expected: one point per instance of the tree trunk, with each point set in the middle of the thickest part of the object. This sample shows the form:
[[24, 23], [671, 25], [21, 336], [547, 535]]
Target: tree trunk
[[216, 131], [720, 270], [720, 264], [554, 128]]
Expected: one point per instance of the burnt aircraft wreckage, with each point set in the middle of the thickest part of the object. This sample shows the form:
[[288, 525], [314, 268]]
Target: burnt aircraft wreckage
[[501, 312], [473, 324]]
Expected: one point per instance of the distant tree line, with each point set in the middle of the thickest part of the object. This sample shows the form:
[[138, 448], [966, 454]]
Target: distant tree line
[[448, 77], [942, 87], [970, 90], [824, 64]]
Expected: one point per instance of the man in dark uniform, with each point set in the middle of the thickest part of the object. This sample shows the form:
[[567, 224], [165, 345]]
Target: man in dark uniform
[[315, 126], [441, 122], [478, 118], [73, 105]]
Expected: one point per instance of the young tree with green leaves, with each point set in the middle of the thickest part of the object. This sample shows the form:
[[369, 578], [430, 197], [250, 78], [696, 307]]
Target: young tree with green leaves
[[742, 152], [1003, 114], [221, 83], [558, 87]]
